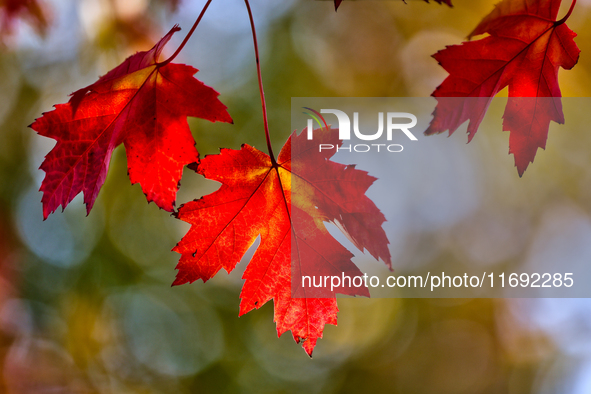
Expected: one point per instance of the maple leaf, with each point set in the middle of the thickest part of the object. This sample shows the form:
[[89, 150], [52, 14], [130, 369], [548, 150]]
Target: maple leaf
[[285, 203], [10, 10], [337, 3], [524, 51], [142, 104]]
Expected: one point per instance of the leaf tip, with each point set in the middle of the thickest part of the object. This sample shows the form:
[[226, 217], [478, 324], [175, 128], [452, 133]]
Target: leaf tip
[[308, 345], [178, 281]]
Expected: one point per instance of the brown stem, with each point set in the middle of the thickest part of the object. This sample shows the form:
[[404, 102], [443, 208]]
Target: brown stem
[[261, 90], [570, 11]]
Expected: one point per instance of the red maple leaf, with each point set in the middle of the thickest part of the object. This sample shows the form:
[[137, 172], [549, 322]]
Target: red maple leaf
[[11, 10], [525, 48], [286, 204], [142, 104], [337, 3]]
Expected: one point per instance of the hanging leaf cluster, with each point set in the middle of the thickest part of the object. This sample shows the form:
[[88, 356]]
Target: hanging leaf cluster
[[144, 104]]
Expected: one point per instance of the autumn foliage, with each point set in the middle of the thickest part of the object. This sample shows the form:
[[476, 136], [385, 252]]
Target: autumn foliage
[[286, 203], [524, 51], [144, 104]]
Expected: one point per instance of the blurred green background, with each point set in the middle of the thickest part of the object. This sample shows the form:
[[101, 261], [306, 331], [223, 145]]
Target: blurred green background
[[86, 304]]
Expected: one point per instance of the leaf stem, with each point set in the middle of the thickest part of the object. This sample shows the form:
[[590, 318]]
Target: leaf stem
[[261, 90], [570, 11], [189, 34]]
